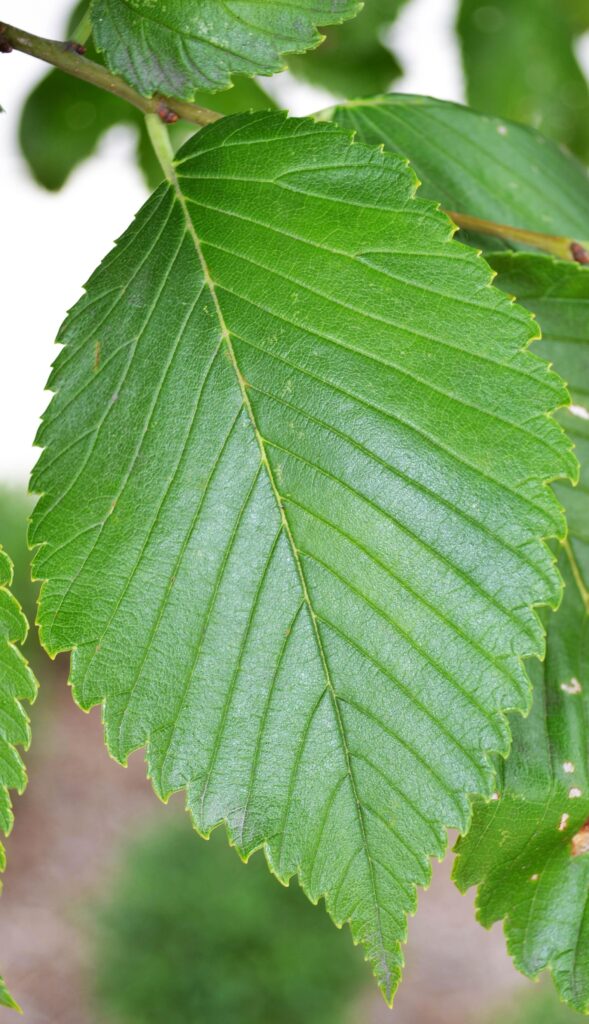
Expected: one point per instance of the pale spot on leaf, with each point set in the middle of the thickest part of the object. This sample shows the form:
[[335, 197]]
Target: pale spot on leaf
[[573, 687]]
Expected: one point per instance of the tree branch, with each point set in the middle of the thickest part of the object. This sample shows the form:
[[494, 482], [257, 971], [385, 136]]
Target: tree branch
[[564, 248], [68, 57]]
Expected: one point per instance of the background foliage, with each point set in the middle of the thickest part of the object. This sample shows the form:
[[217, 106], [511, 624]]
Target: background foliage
[[244, 950]]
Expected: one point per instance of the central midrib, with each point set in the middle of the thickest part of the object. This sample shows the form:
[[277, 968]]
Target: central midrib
[[330, 686]]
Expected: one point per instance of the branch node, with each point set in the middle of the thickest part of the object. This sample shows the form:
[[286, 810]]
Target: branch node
[[74, 47], [579, 253], [5, 46], [166, 114]]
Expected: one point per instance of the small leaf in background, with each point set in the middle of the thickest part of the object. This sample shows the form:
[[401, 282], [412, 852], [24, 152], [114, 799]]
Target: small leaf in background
[[17, 683], [520, 63], [6, 999], [353, 60], [294, 495], [182, 47]]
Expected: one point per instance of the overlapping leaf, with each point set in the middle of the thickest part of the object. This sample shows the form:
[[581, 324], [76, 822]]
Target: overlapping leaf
[[17, 683], [528, 850], [520, 62], [293, 495], [182, 46], [484, 166]]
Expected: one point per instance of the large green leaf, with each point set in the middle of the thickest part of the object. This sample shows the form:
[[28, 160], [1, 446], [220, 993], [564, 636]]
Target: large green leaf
[[528, 849], [17, 683], [520, 62], [353, 60], [182, 46], [475, 164], [293, 495]]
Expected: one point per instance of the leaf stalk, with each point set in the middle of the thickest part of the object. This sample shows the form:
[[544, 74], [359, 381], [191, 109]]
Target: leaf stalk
[[563, 248], [160, 140]]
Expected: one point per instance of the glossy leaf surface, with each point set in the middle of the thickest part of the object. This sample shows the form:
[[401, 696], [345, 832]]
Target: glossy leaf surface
[[293, 495]]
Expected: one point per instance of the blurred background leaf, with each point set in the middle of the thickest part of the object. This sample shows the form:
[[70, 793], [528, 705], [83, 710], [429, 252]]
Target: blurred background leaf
[[538, 1003], [519, 60], [15, 508], [354, 59], [189, 935]]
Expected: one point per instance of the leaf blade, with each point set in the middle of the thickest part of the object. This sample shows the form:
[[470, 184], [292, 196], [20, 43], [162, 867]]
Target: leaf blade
[[477, 164], [191, 46], [277, 574]]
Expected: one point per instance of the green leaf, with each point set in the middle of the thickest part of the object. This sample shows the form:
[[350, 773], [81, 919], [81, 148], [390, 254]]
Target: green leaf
[[528, 849], [64, 119], [6, 999], [475, 164], [516, 848], [186, 45], [520, 62], [353, 60], [17, 683], [293, 495]]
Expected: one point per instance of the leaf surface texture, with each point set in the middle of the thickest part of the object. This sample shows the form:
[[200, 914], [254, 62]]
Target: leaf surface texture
[[525, 849], [293, 495], [182, 46]]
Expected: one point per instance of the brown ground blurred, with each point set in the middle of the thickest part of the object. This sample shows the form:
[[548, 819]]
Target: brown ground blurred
[[80, 806]]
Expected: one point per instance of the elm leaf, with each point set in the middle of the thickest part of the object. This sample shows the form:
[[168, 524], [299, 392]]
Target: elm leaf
[[183, 46], [294, 490]]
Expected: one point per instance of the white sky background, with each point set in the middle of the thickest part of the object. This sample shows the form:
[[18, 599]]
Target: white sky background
[[51, 242]]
